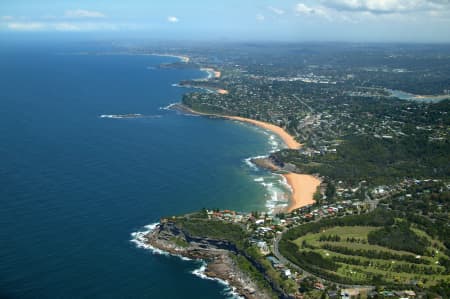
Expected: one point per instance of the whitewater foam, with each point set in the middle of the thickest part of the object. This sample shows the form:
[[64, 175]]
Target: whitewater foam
[[249, 163], [276, 186], [228, 291], [274, 144], [127, 116], [168, 107], [139, 238]]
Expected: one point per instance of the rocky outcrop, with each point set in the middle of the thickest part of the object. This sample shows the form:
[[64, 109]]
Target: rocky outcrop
[[168, 232], [277, 162], [217, 253]]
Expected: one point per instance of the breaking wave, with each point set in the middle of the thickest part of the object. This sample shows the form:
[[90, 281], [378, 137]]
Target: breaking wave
[[229, 291], [140, 240]]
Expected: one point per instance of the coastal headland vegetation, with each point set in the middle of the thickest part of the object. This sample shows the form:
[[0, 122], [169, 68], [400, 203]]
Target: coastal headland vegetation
[[393, 247]]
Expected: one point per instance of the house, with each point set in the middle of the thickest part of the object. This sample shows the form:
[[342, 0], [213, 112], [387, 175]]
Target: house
[[349, 293], [406, 294], [259, 221], [262, 245], [238, 218], [275, 262], [333, 294], [319, 286]]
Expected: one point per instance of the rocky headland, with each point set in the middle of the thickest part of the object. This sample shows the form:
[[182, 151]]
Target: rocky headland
[[218, 254]]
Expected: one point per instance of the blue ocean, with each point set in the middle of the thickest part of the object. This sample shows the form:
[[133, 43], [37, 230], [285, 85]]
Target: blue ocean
[[75, 186]]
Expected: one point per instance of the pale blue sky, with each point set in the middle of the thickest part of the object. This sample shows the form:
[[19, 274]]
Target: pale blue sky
[[306, 20]]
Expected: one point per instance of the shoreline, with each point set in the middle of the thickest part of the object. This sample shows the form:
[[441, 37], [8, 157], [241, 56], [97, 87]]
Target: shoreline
[[212, 73], [288, 140], [303, 186], [182, 58], [217, 263]]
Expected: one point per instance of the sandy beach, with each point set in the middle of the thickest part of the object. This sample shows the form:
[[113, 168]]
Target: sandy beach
[[280, 132], [212, 73], [222, 91], [303, 188], [183, 58], [287, 139], [303, 185]]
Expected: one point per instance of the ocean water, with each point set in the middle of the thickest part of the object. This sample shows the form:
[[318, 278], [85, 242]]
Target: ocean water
[[74, 186]]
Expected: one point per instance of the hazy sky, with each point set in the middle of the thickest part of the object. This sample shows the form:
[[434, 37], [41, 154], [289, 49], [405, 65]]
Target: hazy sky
[[320, 20]]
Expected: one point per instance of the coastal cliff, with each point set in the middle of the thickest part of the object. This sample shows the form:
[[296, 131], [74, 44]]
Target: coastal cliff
[[219, 254]]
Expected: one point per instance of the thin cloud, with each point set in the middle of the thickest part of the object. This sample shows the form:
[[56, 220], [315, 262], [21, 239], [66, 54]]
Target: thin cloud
[[7, 18], [61, 26], [173, 19], [25, 26], [387, 6], [357, 11], [303, 9], [66, 27], [81, 13], [260, 17], [275, 10]]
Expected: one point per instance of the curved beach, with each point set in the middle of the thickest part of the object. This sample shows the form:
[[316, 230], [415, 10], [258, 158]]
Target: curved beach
[[280, 132], [303, 186]]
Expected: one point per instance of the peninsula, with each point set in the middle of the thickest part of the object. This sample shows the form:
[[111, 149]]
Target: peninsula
[[342, 247]]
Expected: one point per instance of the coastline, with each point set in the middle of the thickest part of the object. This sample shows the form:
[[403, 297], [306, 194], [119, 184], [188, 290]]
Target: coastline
[[217, 263], [290, 142], [212, 73], [303, 186], [182, 58]]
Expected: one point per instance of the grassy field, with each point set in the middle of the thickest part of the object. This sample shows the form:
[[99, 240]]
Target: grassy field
[[348, 251]]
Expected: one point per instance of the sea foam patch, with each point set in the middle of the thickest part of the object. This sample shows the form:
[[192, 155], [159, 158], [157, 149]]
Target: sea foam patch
[[127, 116], [229, 291], [277, 188], [168, 107], [274, 144], [139, 238]]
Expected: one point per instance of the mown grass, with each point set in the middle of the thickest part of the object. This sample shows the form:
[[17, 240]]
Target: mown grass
[[364, 269]]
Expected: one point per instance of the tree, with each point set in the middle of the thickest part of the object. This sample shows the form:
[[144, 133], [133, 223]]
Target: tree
[[331, 191]]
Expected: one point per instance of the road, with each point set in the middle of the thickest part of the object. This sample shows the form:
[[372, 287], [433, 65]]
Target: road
[[285, 261]]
